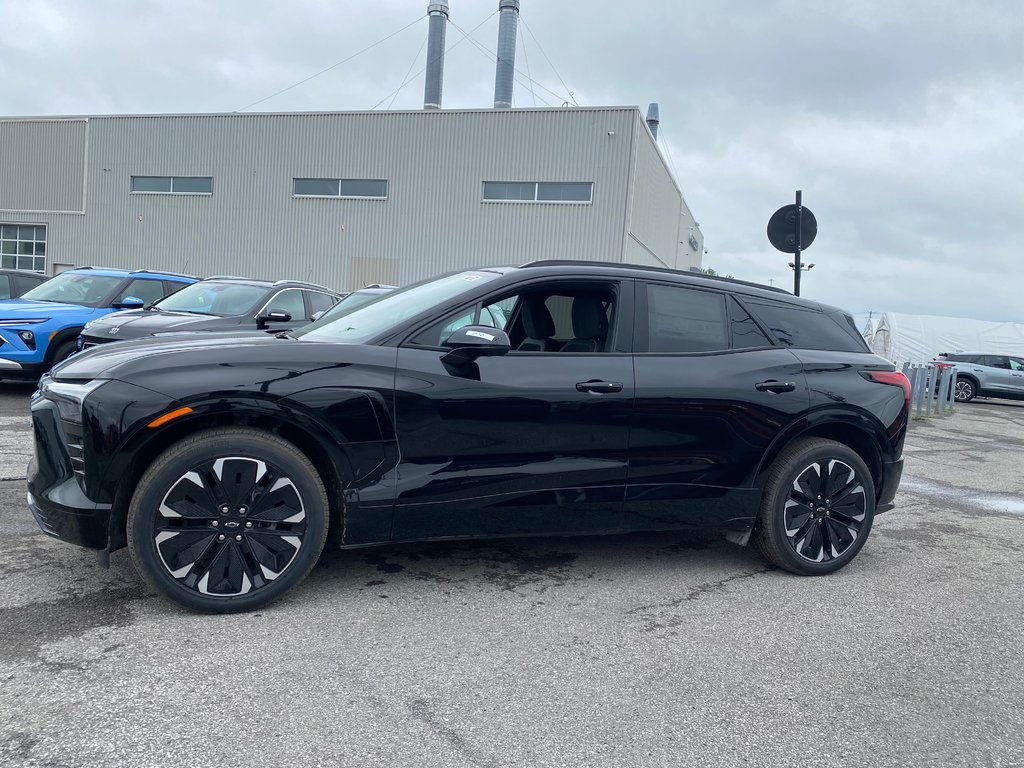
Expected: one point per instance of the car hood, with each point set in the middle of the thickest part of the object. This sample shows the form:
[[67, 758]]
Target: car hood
[[136, 323], [15, 309], [129, 360]]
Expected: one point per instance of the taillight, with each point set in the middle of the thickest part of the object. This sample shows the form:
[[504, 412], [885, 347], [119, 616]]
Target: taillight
[[896, 378]]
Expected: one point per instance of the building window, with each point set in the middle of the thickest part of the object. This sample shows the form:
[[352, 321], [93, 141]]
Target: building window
[[373, 189], [23, 246], [173, 185], [540, 191]]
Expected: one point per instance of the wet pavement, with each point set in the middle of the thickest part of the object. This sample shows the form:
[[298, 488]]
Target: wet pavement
[[654, 649]]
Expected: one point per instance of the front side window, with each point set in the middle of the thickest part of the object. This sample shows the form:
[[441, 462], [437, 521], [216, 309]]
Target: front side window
[[374, 189], [539, 191], [75, 288], [557, 317], [5, 287], [149, 291], [289, 301], [215, 298], [684, 320], [1016, 364], [319, 302], [173, 185], [23, 246]]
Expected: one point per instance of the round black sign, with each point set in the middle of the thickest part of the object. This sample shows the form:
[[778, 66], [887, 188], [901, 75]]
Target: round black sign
[[782, 229]]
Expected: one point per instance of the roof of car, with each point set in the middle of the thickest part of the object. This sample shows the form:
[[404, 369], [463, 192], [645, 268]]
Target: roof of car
[[622, 269], [117, 272], [267, 283]]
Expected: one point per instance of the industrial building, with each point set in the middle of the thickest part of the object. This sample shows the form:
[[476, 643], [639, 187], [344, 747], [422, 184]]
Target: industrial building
[[343, 198]]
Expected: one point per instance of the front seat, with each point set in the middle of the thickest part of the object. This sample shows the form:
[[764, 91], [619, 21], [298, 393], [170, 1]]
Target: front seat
[[589, 325], [538, 325]]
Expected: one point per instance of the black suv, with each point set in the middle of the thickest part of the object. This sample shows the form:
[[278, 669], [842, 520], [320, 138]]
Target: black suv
[[217, 304], [613, 398], [14, 282]]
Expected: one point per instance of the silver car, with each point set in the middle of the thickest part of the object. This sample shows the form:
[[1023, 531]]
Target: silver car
[[979, 374]]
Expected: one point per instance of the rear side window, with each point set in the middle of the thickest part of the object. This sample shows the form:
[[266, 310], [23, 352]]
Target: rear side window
[[745, 332], [803, 328], [684, 320]]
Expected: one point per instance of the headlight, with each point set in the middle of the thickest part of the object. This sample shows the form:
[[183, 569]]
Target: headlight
[[26, 321], [69, 396]]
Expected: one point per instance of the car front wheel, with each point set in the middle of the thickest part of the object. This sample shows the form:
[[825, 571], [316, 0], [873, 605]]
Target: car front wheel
[[965, 391], [227, 520], [817, 508]]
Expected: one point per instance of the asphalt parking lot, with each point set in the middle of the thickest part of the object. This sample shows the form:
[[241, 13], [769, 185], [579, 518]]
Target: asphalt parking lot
[[619, 651]]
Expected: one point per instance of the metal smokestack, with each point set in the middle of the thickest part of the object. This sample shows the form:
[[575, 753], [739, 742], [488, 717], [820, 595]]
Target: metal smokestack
[[438, 13], [652, 119], [506, 69]]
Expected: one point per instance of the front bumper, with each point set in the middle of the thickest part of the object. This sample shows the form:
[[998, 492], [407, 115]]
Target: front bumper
[[55, 494], [892, 471]]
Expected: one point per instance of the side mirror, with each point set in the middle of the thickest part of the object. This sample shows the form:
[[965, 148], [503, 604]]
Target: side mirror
[[273, 316], [317, 315], [473, 341], [129, 302]]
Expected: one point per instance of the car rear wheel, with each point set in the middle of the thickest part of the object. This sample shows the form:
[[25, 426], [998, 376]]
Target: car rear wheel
[[817, 508], [965, 391], [227, 520]]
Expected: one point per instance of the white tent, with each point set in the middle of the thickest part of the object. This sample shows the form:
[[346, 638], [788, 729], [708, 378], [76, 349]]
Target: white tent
[[919, 338]]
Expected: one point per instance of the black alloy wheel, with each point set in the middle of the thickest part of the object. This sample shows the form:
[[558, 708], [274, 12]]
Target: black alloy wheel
[[817, 509], [964, 391], [228, 520]]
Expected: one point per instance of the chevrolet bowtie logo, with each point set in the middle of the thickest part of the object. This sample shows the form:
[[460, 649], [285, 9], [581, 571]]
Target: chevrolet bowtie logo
[[112, 331]]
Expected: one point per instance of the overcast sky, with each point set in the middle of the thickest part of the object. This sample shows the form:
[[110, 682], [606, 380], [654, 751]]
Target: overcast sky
[[901, 122]]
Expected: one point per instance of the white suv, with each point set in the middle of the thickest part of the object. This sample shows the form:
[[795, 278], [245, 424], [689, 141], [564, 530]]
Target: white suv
[[979, 374]]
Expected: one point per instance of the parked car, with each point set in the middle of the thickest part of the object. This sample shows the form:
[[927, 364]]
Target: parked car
[[979, 374], [217, 304], [613, 398], [15, 282], [40, 329], [358, 297]]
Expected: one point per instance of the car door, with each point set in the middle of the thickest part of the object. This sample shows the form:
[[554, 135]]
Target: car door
[[997, 374], [1016, 385], [712, 393], [530, 441]]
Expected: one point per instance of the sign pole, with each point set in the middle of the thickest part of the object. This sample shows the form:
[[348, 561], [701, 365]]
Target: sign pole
[[796, 256]]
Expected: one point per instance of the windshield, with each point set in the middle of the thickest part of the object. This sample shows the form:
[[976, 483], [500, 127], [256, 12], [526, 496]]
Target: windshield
[[75, 288], [211, 298], [391, 309]]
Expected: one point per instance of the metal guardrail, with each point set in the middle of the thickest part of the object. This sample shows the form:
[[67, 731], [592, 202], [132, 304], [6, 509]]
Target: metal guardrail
[[932, 390]]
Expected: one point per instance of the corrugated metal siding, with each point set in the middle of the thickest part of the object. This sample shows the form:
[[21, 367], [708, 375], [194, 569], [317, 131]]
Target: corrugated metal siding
[[654, 214], [43, 165], [434, 219]]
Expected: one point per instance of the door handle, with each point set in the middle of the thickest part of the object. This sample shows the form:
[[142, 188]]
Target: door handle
[[599, 387], [774, 386]]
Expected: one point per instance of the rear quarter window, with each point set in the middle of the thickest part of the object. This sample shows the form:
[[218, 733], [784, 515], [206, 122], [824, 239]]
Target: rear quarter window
[[802, 328]]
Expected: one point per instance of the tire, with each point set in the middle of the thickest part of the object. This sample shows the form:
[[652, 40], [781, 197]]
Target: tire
[[817, 508], [965, 390], [63, 351], [227, 520]]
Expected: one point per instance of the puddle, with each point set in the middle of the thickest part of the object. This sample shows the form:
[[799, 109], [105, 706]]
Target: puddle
[[1002, 503]]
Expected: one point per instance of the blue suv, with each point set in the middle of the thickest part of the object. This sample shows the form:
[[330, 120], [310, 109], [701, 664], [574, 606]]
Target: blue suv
[[40, 329]]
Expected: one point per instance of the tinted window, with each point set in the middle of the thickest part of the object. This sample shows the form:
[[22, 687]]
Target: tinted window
[[803, 328], [5, 287], [289, 301], [997, 361], [745, 333], [319, 302], [147, 290], [685, 320]]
